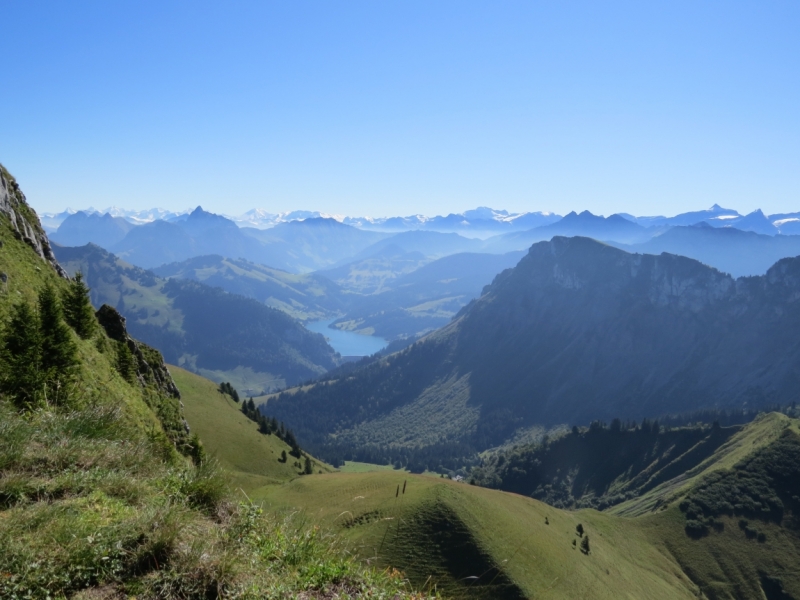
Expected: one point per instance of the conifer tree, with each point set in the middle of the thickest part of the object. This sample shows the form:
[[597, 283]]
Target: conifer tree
[[78, 310], [309, 469], [59, 353], [126, 362], [263, 425], [21, 354]]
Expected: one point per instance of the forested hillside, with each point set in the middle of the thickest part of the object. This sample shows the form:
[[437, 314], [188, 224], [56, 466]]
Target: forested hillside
[[577, 331], [223, 336]]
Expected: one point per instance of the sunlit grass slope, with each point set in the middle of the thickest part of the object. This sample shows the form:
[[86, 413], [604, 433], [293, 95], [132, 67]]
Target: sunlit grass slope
[[474, 542], [479, 543], [251, 458], [103, 496]]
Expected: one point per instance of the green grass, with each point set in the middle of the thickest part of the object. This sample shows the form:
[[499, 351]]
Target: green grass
[[758, 434], [352, 466], [447, 532], [251, 458], [95, 501], [726, 563], [89, 501]]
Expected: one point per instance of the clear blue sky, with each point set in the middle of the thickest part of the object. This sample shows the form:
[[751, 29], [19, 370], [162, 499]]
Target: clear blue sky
[[386, 107]]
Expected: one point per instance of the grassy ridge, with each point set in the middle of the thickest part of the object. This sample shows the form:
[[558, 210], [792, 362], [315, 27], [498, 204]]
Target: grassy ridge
[[756, 435], [512, 546], [251, 458], [479, 543]]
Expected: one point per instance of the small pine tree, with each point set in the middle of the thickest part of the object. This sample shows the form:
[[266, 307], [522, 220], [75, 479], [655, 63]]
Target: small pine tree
[[22, 378], [59, 353], [585, 545], [126, 362], [579, 529], [78, 310], [308, 469], [283, 456]]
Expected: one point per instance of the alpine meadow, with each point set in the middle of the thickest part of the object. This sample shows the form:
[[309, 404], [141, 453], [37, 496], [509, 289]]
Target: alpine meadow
[[400, 301]]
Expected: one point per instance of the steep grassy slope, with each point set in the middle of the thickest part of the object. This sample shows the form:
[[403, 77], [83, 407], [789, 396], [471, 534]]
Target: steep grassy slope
[[750, 438], [222, 336], [250, 458], [304, 297], [96, 499], [576, 331], [600, 467]]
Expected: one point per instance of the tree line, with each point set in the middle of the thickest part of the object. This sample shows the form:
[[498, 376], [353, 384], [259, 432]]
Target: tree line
[[37, 351], [266, 425]]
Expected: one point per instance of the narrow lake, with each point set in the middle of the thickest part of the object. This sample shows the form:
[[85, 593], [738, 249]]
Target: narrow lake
[[347, 343]]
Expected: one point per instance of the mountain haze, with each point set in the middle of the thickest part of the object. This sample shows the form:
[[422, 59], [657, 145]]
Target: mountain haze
[[728, 249], [305, 297], [220, 335], [427, 298], [578, 330]]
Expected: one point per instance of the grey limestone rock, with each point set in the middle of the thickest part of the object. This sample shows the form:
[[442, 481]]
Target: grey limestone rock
[[24, 221]]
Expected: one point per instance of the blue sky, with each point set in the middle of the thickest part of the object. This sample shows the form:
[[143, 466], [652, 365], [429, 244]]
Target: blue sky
[[386, 107]]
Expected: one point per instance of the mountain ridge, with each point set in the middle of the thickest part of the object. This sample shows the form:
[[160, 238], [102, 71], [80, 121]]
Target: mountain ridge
[[577, 331]]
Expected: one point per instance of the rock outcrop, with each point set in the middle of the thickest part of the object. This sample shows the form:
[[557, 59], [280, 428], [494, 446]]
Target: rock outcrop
[[24, 221], [151, 369]]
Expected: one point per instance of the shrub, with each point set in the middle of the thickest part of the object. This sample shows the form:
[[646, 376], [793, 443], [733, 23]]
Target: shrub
[[696, 529], [585, 545]]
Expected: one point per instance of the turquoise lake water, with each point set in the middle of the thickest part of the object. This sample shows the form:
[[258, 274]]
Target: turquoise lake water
[[347, 343]]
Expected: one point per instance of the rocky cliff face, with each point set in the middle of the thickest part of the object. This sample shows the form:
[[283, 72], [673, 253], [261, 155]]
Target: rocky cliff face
[[23, 220]]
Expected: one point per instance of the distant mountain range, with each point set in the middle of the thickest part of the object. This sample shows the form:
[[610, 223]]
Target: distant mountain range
[[577, 331], [297, 246], [316, 243], [480, 222]]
